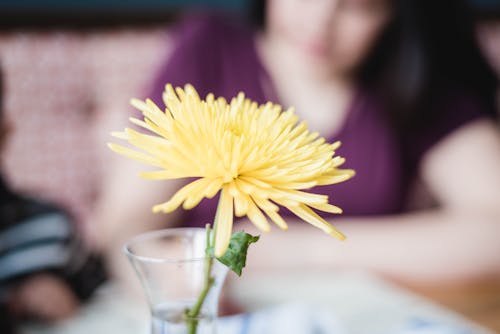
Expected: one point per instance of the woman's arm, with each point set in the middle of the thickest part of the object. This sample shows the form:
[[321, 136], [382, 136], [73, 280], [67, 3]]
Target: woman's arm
[[123, 210], [124, 207], [458, 241]]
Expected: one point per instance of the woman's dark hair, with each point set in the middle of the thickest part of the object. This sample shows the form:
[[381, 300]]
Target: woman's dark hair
[[427, 51], [2, 120], [1, 95], [4, 128]]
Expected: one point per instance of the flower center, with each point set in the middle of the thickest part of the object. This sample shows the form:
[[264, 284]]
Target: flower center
[[236, 131]]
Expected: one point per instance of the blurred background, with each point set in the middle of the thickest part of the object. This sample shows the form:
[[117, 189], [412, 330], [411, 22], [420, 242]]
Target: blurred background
[[70, 66], [67, 64]]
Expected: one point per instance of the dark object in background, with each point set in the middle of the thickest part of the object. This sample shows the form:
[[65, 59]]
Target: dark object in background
[[92, 13], [485, 9], [37, 237], [6, 323]]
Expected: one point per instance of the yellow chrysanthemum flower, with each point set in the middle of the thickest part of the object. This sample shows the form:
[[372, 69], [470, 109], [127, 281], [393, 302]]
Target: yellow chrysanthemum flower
[[258, 156]]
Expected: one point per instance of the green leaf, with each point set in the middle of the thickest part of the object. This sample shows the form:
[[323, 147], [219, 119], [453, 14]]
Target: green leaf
[[235, 256]]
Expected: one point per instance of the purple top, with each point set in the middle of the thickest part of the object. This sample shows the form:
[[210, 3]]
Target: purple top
[[220, 56]]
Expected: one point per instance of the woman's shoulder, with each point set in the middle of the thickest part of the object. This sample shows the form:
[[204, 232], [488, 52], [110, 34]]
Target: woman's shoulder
[[211, 52], [449, 112], [455, 108]]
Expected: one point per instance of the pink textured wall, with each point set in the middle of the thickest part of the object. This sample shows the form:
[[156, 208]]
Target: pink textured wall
[[60, 87]]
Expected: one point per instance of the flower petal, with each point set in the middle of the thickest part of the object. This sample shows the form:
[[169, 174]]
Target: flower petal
[[213, 187], [197, 194], [302, 196], [179, 197], [305, 213], [256, 216], [265, 204], [241, 204], [277, 219], [135, 155], [333, 179], [326, 207], [224, 223]]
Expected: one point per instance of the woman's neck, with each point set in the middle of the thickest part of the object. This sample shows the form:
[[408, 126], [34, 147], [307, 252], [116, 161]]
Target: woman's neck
[[320, 95]]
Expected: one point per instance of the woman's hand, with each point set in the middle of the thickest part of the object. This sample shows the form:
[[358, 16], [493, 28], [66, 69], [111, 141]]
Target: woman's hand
[[43, 297]]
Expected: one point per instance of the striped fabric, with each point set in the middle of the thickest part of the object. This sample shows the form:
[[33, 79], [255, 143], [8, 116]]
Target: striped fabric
[[38, 237], [35, 244]]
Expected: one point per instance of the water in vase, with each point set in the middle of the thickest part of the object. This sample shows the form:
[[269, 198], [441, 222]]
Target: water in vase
[[171, 319]]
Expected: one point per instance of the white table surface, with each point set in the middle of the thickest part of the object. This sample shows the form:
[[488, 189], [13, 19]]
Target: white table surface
[[359, 303]]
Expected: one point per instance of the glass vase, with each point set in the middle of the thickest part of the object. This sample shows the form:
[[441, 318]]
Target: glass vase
[[172, 267]]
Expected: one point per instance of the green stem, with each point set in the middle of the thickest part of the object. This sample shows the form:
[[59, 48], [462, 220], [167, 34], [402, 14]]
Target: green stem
[[193, 313]]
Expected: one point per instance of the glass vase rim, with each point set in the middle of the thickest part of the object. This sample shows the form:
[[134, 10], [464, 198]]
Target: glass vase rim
[[156, 234]]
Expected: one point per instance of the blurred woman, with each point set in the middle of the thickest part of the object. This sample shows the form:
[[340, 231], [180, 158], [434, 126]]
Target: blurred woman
[[401, 84]]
